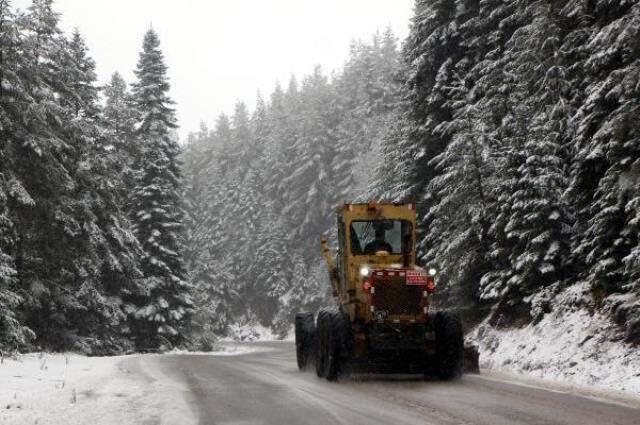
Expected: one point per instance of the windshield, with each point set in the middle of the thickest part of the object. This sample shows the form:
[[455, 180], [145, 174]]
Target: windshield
[[371, 236]]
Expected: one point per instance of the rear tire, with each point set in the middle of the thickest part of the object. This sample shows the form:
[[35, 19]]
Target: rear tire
[[305, 330], [449, 345]]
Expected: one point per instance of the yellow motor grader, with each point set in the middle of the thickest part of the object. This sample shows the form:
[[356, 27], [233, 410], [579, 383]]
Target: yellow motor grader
[[382, 320]]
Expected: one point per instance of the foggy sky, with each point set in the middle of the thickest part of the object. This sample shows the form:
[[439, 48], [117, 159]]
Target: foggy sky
[[221, 51]]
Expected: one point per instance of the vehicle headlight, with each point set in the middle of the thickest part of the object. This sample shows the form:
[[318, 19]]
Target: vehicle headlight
[[432, 272], [364, 271]]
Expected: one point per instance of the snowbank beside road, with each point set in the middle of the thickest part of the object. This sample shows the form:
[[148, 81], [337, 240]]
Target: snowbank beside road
[[255, 333], [570, 344], [71, 389], [226, 348]]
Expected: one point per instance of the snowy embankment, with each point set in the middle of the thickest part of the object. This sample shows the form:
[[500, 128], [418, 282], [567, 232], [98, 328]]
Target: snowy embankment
[[571, 344], [71, 389]]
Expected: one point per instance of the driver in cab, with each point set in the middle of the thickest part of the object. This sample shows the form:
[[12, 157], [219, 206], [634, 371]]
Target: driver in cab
[[378, 244]]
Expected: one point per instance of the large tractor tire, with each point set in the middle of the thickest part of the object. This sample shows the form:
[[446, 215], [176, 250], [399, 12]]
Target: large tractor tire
[[305, 330], [333, 345], [449, 345], [321, 343]]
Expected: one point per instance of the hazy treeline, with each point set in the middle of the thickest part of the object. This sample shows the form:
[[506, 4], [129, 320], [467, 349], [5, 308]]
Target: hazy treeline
[[90, 218], [261, 188]]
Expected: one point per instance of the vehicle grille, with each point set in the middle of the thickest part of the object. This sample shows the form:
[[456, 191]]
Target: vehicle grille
[[395, 297]]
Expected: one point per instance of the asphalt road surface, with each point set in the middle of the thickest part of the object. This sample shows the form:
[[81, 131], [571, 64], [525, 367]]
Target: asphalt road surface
[[265, 387]]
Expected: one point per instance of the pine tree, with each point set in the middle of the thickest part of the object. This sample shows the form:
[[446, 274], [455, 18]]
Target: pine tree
[[119, 120], [71, 254], [241, 148], [13, 334], [314, 152], [457, 239], [432, 41], [165, 305], [105, 252], [272, 276], [533, 227], [366, 92], [196, 157], [46, 161], [607, 149]]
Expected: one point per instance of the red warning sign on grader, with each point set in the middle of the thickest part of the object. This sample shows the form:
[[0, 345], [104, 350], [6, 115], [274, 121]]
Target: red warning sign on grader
[[416, 277]]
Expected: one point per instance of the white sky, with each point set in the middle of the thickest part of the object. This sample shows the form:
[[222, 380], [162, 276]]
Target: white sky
[[221, 51]]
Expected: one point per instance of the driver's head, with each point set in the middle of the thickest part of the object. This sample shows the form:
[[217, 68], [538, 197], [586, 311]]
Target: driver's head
[[380, 233]]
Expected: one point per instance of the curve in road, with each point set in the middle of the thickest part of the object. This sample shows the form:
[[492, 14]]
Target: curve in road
[[265, 387]]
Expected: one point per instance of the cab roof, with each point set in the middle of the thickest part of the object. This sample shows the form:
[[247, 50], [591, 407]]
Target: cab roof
[[378, 210]]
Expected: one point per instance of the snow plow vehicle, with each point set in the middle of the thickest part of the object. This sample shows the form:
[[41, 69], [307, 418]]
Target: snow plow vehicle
[[382, 321]]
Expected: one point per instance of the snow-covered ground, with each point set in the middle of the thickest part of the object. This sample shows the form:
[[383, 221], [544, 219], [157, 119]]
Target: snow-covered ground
[[568, 345], [71, 389], [226, 348], [67, 389], [255, 332]]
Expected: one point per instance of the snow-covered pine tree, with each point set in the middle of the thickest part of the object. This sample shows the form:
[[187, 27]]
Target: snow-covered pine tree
[[272, 275], [273, 144], [389, 181], [310, 197], [603, 185], [241, 144], [288, 129], [104, 252], [63, 210], [196, 157], [366, 92], [433, 39], [118, 112], [163, 309], [13, 334], [457, 240], [46, 157], [208, 256], [261, 132], [536, 217], [119, 119]]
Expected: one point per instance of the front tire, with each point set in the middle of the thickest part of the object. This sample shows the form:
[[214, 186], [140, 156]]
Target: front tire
[[449, 345], [321, 344], [305, 335], [333, 347]]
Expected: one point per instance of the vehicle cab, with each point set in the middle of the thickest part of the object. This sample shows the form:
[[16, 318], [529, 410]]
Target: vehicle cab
[[376, 264]]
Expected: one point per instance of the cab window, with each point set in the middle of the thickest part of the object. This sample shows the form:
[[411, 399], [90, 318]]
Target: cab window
[[371, 236]]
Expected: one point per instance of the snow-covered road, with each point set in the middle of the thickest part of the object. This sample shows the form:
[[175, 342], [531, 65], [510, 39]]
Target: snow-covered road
[[266, 388], [258, 383]]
